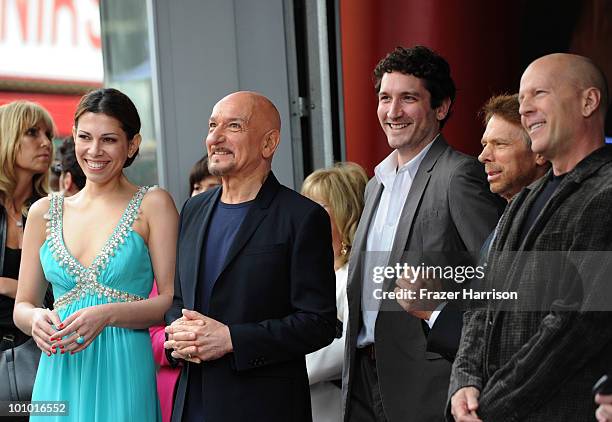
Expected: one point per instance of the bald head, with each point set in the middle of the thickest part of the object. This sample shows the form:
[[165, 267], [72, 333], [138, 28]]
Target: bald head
[[259, 107], [577, 70], [563, 100]]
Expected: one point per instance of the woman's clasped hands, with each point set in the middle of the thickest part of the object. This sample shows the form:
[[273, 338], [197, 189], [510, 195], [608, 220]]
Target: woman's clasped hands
[[72, 335]]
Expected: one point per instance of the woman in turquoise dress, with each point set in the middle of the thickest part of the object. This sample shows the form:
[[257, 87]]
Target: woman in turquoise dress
[[100, 250]]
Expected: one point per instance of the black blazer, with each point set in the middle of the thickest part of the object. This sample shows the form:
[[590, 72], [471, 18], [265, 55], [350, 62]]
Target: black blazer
[[540, 364], [276, 292]]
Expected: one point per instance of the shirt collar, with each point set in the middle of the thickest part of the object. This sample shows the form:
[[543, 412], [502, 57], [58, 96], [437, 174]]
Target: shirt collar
[[385, 171]]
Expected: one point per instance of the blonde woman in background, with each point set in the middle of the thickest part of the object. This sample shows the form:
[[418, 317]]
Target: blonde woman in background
[[339, 190], [26, 131]]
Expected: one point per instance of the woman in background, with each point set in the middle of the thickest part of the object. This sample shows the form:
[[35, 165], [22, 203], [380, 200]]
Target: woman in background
[[100, 250], [340, 191], [26, 131], [72, 179]]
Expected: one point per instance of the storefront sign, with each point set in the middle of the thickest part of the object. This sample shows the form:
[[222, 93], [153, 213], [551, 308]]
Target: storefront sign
[[54, 40]]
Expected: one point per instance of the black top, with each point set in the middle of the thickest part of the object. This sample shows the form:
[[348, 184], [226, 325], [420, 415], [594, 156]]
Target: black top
[[11, 270], [11, 262], [9, 267]]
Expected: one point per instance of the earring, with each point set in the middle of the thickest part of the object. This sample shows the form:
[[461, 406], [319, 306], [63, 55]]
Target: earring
[[344, 248]]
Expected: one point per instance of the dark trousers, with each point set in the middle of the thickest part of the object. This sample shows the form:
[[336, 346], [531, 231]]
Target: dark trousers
[[366, 401]]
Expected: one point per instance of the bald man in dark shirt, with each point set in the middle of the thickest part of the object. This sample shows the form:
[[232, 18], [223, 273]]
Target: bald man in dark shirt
[[255, 283]]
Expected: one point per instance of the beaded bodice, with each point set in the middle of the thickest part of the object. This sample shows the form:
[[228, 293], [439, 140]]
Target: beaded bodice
[[127, 283]]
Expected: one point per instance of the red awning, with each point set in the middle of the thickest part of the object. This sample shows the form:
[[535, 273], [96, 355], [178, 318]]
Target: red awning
[[61, 107]]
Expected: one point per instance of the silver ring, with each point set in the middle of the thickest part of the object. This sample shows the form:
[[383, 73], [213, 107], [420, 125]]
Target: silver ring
[[80, 339], [188, 355]]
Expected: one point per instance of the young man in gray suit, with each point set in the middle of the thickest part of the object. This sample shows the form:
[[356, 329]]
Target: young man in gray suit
[[425, 197], [539, 364]]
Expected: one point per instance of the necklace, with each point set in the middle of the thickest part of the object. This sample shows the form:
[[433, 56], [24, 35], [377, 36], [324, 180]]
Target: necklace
[[18, 222]]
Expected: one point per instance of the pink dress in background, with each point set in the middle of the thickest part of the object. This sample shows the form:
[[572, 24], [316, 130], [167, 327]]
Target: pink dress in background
[[166, 376]]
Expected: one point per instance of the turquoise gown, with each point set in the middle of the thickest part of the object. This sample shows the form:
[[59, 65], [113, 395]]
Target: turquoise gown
[[113, 379]]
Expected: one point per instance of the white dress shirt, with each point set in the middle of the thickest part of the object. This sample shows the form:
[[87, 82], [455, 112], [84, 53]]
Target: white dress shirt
[[381, 233]]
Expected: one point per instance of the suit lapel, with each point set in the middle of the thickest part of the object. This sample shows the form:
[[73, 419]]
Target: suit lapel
[[355, 276], [417, 189], [517, 213], [505, 222], [568, 185], [206, 211], [369, 210], [519, 209]]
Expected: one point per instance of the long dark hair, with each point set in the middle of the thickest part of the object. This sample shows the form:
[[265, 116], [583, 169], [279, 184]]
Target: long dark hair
[[113, 103]]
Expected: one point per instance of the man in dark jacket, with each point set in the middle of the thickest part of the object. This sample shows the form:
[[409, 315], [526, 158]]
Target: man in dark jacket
[[536, 358], [255, 286]]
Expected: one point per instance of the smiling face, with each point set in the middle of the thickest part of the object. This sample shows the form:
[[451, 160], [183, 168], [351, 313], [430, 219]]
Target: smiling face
[[34, 149], [405, 113], [102, 147], [549, 107], [509, 162], [243, 133], [229, 141]]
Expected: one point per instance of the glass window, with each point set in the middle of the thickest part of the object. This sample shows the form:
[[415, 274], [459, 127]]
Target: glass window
[[127, 67]]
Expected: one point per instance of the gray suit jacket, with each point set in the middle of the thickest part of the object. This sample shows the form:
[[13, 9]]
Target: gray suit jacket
[[449, 208], [538, 362]]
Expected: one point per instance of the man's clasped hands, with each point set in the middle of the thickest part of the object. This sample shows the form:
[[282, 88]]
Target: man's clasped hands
[[196, 338]]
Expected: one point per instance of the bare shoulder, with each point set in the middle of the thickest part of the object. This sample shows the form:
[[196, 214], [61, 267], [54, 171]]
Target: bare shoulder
[[39, 209], [158, 201]]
